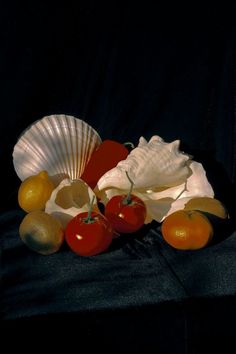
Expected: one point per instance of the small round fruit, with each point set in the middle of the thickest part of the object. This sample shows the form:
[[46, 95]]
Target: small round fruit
[[35, 191], [126, 215], [187, 230], [41, 232], [88, 234], [209, 205]]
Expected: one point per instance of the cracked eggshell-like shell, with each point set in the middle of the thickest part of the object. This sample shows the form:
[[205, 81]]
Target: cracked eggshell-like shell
[[70, 198]]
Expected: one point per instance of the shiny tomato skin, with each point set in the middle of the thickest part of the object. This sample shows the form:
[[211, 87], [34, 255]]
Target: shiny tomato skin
[[126, 218], [88, 239]]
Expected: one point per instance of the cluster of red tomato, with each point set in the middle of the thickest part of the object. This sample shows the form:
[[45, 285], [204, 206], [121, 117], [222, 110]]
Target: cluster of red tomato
[[91, 233]]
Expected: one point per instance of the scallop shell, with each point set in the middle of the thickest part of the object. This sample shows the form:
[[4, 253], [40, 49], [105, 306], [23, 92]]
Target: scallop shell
[[69, 199], [151, 164], [60, 144]]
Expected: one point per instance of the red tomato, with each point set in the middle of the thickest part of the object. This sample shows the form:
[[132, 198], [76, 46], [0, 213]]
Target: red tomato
[[88, 237], [126, 216]]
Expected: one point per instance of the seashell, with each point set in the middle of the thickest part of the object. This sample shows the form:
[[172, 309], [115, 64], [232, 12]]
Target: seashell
[[164, 202], [151, 164], [60, 144], [69, 199], [196, 184]]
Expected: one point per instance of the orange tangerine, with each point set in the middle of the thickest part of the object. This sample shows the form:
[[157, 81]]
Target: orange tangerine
[[187, 230]]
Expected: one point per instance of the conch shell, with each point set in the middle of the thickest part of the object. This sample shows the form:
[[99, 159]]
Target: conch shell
[[151, 164], [59, 144], [161, 204], [69, 199], [164, 178]]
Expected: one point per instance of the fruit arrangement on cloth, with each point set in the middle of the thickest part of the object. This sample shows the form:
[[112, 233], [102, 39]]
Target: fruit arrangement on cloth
[[67, 172]]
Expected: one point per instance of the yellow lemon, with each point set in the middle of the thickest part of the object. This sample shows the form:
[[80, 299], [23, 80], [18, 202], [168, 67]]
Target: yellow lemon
[[209, 205], [35, 191], [41, 232]]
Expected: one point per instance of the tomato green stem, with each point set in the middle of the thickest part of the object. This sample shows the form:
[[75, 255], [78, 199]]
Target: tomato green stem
[[89, 219], [129, 143], [128, 199]]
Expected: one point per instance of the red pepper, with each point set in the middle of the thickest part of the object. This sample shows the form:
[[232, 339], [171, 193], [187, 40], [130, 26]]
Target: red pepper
[[107, 156]]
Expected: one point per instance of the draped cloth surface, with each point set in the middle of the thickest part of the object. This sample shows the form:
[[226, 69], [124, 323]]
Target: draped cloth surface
[[139, 295]]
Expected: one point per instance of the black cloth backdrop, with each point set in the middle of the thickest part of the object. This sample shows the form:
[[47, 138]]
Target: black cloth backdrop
[[129, 70]]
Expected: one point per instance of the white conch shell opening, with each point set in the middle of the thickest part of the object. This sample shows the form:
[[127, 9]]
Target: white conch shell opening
[[69, 199], [197, 185]]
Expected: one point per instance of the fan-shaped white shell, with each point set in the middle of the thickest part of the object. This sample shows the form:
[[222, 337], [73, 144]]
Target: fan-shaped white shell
[[60, 144], [151, 164]]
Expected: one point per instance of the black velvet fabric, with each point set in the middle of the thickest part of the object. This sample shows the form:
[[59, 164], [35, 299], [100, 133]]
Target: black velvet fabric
[[140, 295], [129, 71]]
